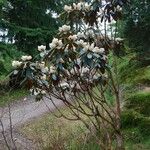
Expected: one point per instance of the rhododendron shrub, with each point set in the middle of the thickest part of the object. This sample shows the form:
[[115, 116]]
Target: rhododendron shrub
[[76, 69]]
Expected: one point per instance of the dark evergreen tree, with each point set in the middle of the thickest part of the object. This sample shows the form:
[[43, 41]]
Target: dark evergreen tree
[[137, 29], [29, 22]]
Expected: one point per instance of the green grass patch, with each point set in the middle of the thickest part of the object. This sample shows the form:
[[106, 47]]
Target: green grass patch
[[130, 73], [50, 132], [9, 97], [134, 140], [140, 102]]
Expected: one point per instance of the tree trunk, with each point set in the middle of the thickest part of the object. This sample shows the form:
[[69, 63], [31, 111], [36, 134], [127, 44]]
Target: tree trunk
[[119, 142]]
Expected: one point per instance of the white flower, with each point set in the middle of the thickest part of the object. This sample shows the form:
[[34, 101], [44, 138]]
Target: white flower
[[44, 70], [72, 37], [41, 48], [64, 28], [74, 48], [90, 33], [52, 69], [61, 60], [95, 77], [86, 47], [119, 39], [56, 44], [26, 58], [43, 92], [64, 85], [102, 50], [119, 8], [84, 44], [80, 42], [98, 50], [16, 64], [42, 54], [16, 72], [67, 8], [55, 41], [87, 7], [89, 47], [77, 6], [73, 71], [35, 91], [66, 48], [80, 35], [85, 70], [43, 77], [59, 44]]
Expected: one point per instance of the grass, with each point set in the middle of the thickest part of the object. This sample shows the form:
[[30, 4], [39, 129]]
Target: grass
[[50, 132], [134, 140], [139, 101], [9, 97], [130, 73]]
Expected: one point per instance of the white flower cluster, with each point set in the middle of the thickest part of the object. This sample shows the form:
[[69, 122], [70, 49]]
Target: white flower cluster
[[41, 48], [67, 8], [91, 47], [26, 58], [73, 37], [119, 39], [119, 8], [45, 69], [81, 43], [64, 85], [56, 43], [64, 28], [90, 33], [43, 77], [80, 35], [87, 7], [52, 69], [98, 50], [79, 6], [16, 63], [82, 70], [37, 91]]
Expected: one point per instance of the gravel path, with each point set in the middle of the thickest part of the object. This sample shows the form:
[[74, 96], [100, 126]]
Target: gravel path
[[26, 110], [21, 113]]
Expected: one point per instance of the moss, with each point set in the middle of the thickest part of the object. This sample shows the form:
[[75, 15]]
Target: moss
[[139, 102], [144, 126], [132, 135], [130, 118]]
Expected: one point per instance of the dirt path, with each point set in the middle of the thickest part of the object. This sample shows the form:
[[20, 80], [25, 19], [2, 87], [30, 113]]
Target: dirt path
[[25, 110], [21, 113]]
